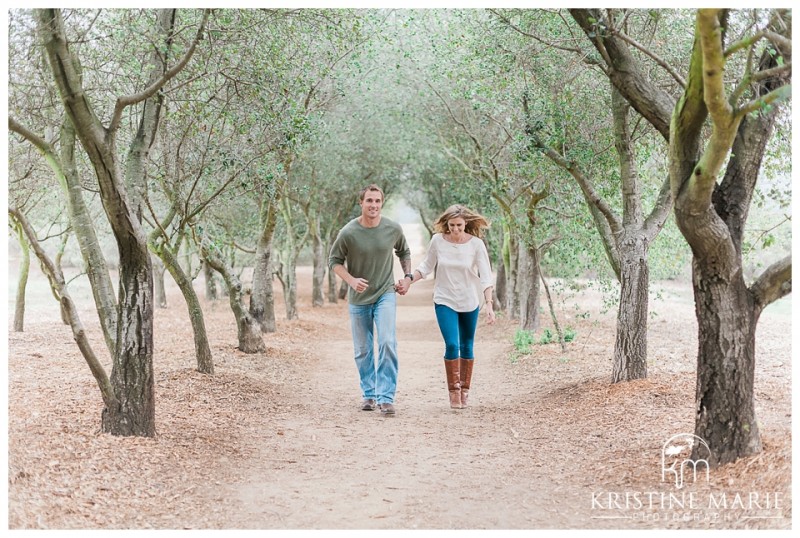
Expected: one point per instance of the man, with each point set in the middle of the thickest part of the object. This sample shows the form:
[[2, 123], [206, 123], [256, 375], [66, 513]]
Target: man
[[365, 246]]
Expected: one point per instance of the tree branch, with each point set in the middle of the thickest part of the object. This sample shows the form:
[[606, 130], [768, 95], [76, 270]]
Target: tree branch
[[660, 61], [780, 94], [774, 283], [125, 101], [30, 136], [660, 212]]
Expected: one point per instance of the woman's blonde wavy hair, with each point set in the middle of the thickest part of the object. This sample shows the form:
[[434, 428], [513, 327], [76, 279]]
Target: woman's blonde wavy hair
[[475, 222]]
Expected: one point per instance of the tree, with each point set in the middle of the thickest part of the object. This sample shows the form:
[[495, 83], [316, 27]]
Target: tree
[[22, 280], [712, 212], [132, 411]]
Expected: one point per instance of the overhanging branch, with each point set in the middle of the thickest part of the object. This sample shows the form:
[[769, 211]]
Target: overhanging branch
[[774, 283]]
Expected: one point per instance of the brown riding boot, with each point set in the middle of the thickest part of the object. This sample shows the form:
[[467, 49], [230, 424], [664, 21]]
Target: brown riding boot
[[453, 382], [465, 368]]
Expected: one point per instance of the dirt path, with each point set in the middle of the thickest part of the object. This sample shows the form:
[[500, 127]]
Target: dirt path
[[427, 467], [277, 440]]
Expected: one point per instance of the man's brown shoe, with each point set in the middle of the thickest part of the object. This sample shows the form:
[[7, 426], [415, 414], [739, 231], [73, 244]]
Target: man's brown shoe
[[368, 404], [387, 409]]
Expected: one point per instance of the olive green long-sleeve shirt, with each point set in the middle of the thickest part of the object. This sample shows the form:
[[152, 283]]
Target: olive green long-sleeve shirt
[[367, 253]]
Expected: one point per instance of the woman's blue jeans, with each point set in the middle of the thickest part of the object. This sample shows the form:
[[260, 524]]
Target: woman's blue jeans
[[378, 379], [458, 331]]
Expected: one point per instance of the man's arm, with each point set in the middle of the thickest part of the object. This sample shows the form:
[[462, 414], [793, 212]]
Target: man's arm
[[358, 284], [406, 265]]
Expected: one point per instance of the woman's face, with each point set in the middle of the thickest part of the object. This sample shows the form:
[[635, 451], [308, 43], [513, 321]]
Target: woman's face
[[456, 226]]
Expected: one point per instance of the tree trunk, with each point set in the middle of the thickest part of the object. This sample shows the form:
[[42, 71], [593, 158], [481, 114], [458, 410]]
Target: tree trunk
[[132, 374], [726, 417], [553, 312], [22, 281], [630, 349], [332, 295], [513, 293], [205, 361], [248, 328], [343, 290], [160, 288], [262, 297], [210, 282], [133, 413], [288, 272], [500, 287], [317, 298], [530, 286]]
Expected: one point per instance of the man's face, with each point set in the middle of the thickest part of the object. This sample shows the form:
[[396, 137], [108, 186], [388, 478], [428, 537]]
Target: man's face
[[371, 204]]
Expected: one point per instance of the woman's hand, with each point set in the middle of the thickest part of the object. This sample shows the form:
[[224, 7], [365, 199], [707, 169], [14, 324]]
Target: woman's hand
[[490, 318]]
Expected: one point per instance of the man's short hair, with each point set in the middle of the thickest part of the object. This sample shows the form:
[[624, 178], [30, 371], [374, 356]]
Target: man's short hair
[[372, 187]]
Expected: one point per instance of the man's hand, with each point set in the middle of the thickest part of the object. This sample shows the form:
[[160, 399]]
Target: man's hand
[[359, 284], [402, 286]]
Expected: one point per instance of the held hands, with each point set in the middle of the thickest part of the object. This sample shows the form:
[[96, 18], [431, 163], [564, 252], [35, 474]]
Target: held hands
[[402, 286]]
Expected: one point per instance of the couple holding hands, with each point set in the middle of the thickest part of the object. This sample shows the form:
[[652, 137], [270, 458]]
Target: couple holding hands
[[362, 256]]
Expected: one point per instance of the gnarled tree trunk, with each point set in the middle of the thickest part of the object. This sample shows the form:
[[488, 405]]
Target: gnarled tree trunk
[[248, 328]]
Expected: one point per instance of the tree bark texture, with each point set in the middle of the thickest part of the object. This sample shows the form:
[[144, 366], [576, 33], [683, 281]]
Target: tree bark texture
[[500, 288], [630, 348], [726, 417], [332, 295]]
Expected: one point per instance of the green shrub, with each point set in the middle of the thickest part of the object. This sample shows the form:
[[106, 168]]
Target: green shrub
[[523, 340], [569, 334], [547, 336]]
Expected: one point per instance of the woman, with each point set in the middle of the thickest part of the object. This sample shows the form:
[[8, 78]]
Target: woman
[[463, 279]]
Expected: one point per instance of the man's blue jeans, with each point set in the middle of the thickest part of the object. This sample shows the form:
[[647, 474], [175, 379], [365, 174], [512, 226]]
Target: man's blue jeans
[[378, 379]]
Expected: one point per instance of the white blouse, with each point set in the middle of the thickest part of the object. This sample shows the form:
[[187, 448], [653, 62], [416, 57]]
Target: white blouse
[[462, 272]]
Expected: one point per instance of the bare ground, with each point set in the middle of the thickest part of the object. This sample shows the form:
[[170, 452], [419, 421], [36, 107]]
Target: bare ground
[[276, 440]]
